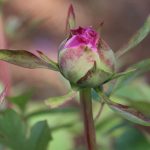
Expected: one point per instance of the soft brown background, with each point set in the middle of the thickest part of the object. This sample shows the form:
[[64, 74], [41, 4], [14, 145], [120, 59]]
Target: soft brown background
[[121, 19]]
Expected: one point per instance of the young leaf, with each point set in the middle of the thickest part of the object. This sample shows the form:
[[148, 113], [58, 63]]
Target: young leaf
[[130, 114], [25, 59], [142, 106], [121, 74], [48, 60], [58, 101], [43, 56], [141, 67], [39, 137], [136, 39], [70, 22], [126, 112]]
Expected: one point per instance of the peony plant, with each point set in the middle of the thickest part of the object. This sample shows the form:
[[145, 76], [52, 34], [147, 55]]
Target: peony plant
[[88, 63]]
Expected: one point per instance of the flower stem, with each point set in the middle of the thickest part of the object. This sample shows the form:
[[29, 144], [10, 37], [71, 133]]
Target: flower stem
[[86, 109]]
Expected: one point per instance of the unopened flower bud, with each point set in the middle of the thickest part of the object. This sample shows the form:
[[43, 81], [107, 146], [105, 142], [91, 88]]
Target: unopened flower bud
[[85, 59]]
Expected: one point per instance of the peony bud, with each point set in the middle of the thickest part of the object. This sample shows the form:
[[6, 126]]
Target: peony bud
[[85, 59]]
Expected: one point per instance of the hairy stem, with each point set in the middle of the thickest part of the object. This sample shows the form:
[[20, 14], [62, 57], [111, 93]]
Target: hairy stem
[[86, 109]]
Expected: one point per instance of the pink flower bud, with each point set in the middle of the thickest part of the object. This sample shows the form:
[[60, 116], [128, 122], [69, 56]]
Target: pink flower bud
[[85, 59], [83, 36]]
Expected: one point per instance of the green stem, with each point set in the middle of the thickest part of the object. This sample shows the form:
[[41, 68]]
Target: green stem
[[86, 109]]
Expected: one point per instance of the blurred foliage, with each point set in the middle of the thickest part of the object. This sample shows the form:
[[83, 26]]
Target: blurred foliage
[[14, 133], [26, 130], [132, 139]]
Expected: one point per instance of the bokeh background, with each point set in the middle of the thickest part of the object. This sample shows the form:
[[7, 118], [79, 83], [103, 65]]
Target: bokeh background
[[40, 25]]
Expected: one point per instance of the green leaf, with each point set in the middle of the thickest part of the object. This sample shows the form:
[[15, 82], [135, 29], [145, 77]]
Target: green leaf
[[136, 94], [25, 59], [126, 112], [54, 102], [12, 131], [21, 100], [130, 114], [142, 106], [125, 73], [39, 137], [48, 60], [121, 74], [141, 68], [136, 39]]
